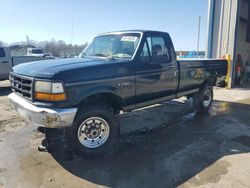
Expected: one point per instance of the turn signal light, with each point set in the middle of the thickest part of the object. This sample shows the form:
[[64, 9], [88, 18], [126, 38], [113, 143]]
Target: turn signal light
[[50, 97]]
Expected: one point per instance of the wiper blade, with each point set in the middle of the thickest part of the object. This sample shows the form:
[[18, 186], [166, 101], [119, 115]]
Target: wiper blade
[[109, 57], [100, 55]]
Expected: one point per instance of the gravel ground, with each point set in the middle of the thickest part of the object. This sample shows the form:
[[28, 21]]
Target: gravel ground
[[163, 146]]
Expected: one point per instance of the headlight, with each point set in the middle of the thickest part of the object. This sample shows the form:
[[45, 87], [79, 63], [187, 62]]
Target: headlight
[[49, 91], [44, 87]]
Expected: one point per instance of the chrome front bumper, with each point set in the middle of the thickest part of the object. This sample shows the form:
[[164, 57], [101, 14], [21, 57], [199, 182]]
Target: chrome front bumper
[[44, 117]]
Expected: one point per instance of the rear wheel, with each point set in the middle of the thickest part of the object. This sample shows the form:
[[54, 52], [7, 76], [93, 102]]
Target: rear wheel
[[95, 131], [203, 100]]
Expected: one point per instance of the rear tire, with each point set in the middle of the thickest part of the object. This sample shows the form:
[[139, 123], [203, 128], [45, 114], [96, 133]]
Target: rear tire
[[94, 132], [203, 100]]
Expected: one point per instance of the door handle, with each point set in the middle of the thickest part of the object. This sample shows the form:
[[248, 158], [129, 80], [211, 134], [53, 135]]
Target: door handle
[[4, 62]]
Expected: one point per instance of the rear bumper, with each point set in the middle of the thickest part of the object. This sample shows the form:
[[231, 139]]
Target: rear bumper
[[44, 117]]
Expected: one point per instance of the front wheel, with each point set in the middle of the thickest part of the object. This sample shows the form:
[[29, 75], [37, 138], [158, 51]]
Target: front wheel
[[203, 100], [95, 131]]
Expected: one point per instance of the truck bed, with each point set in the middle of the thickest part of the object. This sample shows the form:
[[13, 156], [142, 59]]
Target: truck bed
[[192, 72]]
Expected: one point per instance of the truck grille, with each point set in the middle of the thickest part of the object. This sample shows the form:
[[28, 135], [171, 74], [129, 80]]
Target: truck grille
[[22, 85]]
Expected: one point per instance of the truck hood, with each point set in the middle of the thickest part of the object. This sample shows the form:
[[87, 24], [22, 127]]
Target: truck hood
[[50, 68]]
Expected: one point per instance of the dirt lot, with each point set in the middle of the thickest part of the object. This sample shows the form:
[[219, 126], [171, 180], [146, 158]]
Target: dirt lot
[[183, 150]]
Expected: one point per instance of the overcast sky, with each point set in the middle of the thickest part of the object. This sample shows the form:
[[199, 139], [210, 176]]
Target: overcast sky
[[47, 19]]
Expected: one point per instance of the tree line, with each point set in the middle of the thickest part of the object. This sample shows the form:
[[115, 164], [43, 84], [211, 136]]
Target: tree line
[[53, 46]]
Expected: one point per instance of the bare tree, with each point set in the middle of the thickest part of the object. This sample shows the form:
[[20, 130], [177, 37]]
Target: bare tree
[[53, 46]]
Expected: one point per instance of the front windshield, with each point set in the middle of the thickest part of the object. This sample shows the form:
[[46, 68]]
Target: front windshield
[[113, 45]]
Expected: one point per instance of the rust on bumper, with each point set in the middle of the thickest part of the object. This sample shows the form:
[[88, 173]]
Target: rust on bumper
[[44, 117]]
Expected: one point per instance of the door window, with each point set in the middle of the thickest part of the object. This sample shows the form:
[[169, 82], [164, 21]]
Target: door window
[[155, 50], [2, 53], [158, 50]]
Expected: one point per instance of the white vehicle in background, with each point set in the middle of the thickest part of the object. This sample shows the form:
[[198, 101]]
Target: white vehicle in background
[[7, 61], [49, 55], [38, 52]]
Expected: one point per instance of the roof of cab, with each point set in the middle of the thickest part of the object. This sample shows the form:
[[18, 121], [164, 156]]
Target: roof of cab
[[133, 31]]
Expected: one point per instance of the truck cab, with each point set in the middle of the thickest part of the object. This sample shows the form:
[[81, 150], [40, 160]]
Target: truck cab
[[5, 63]]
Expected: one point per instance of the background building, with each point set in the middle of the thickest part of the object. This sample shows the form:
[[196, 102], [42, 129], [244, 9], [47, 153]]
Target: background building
[[229, 33]]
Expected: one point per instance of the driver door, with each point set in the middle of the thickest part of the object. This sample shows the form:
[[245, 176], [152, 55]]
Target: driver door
[[156, 70]]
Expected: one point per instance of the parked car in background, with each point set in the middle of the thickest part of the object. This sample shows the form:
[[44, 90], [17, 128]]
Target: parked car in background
[[38, 52], [48, 55], [7, 61], [118, 71]]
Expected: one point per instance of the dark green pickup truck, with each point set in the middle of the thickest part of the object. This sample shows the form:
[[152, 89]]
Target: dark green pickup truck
[[118, 71]]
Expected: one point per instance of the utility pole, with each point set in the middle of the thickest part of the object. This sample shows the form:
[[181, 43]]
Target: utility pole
[[198, 41], [27, 40]]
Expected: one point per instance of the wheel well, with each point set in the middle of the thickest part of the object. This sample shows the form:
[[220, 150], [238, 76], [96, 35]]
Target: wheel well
[[109, 99]]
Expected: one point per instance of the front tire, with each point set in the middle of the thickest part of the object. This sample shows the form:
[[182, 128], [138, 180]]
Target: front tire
[[203, 100], [95, 131]]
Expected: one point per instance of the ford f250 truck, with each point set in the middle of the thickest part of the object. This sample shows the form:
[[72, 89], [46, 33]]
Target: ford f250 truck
[[118, 71]]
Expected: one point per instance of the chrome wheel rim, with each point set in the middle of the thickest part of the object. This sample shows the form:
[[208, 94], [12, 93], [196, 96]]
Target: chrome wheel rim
[[93, 132], [207, 98]]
